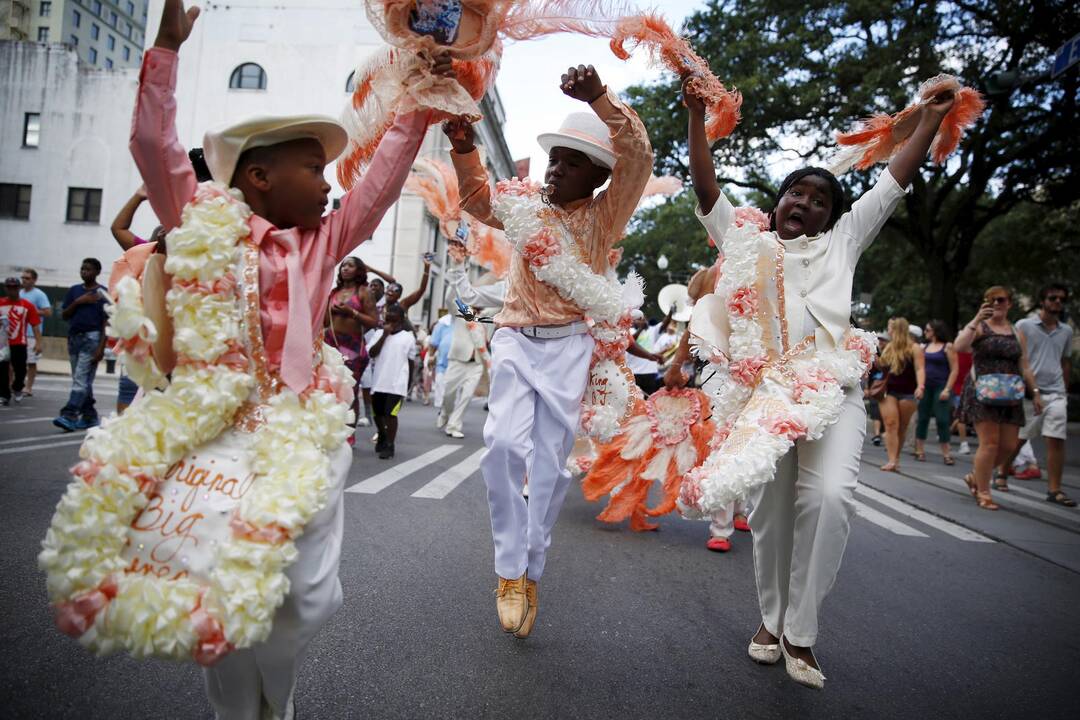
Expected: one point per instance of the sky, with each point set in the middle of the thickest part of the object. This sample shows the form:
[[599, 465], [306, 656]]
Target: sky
[[528, 80]]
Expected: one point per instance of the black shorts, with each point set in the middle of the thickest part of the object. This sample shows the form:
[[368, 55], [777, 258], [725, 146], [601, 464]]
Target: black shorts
[[385, 404]]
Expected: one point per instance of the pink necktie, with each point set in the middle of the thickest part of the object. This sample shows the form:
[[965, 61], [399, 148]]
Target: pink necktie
[[296, 353]]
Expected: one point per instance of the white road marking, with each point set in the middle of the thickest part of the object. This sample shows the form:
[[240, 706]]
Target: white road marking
[[879, 518], [449, 479], [46, 446], [949, 528], [1005, 499], [53, 436], [28, 420], [394, 473]]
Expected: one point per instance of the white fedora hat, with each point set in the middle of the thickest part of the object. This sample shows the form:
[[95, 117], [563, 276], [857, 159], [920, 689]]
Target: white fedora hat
[[584, 132], [222, 147]]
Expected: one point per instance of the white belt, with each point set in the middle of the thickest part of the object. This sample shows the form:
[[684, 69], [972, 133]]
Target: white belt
[[554, 332]]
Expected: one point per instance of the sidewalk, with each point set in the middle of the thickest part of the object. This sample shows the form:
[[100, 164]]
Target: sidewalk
[[50, 366]]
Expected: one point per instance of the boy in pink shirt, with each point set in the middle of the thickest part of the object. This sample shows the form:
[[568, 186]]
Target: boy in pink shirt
[[278, 164]]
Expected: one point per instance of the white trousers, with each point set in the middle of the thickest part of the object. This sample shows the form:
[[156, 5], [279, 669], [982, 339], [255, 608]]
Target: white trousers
[[257, 683], [723, 520], [534, 406], [458, 390], [438, 387], [800, 524]]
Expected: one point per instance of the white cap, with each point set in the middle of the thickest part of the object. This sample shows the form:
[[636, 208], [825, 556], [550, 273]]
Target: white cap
[[222, 147], [584, 132]]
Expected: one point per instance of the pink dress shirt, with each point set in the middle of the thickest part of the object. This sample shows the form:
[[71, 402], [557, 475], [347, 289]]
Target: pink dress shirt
[[170, 185]]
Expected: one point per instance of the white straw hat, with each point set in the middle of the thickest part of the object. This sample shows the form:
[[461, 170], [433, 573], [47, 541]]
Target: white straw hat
[[222, 147], [584, 132]]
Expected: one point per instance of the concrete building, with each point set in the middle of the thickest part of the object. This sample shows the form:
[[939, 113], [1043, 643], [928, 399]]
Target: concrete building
[[65, 169], [105, 33]]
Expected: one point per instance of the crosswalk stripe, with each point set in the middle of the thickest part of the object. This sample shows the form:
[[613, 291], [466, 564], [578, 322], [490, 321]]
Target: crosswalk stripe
[[879, 518], [1026, 492], [1005, 499], [394, 473], [55, 435], [957, 531], [449, 479], [45, 446], [28, 420]]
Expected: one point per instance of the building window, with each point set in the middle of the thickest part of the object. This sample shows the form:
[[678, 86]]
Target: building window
[[110, 42], [14, 201], [131, 9], [127, 53], [43, 34], [31, 130], [350, 82], [77, 17], [248, 76], [74, 41], [112, 18], [95, 31], [84, 205], [96, 7], [93, 56], [127, 30], [45, 9], [108, 64]]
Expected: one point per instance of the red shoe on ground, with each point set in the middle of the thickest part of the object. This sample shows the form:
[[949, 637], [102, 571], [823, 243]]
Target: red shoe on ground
[[1029, 473], [740, 524], [718, 544]]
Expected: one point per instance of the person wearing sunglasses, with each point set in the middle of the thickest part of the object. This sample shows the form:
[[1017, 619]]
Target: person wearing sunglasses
[[1049, 342], [993, 396]]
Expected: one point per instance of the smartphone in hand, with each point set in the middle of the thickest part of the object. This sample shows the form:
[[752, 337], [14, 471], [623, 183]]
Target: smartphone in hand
[[429, 257]]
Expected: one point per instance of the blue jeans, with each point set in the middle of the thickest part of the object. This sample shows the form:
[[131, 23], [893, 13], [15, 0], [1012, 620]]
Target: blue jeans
[[81, 350]]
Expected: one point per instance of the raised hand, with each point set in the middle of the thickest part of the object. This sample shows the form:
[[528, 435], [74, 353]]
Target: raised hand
[[456, 250], [940, 104], [176, 24], [461, 134], [693, 103], [582, 83]]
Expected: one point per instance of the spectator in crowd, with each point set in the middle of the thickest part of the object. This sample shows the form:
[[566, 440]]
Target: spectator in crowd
[[1000, 351], [940, 361], [121, 225], [465, 367], [439, 340], [903, 362], [84, 310], [394, 288], [377, 291], [17, 316], [1049, 342], [874, 406], [34, 333], [394, 346], [963, 374], [646, 367]]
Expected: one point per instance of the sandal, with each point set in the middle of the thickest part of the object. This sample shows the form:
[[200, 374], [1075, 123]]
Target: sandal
[[1060, 498], [948, 460], [1001, 482], [920, 456], [969, 480], [891, 467], [986, 502]]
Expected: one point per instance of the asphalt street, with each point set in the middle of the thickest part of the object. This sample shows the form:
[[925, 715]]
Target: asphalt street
[[941, 610]]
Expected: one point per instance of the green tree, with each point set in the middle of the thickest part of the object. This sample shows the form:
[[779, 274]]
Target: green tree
[[809, 69]]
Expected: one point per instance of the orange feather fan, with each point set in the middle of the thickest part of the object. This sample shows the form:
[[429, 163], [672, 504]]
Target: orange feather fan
[[673, 52], [666, 437], [436, 182], [490, 249], [879, 137], [661, 185]]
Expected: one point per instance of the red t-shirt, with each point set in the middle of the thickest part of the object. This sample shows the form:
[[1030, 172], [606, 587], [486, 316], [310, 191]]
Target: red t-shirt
[[963, 369], [17, 312]]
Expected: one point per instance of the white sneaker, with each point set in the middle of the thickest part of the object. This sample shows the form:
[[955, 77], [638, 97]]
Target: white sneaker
[[363, 422], [18, 397], [440, 422], [965, 449], [456, 434]]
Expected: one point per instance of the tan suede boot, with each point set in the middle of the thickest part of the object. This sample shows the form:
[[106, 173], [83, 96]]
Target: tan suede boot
[[512, 603], [530, 616]]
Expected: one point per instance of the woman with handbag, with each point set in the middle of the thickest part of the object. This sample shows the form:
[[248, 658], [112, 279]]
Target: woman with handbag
[[905, 372], [994, 394], [941, 368]]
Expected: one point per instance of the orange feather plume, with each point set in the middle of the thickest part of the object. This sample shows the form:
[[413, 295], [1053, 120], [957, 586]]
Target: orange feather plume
[[676, 54], [490, 249], [877, 138]]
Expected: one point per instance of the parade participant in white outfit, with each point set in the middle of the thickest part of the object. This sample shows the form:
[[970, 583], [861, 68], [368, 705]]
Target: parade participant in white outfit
[[801, 518], [542, 350]]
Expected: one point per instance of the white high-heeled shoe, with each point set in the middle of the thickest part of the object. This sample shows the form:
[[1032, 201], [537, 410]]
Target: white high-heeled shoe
[[801, 672], [764, 654]]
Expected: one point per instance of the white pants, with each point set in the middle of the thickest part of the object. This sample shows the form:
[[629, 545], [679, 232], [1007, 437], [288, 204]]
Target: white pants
[[533, 407], [800, 524], [723, 520], [459, 388], [257, 683], [438, 387]]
